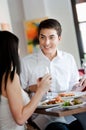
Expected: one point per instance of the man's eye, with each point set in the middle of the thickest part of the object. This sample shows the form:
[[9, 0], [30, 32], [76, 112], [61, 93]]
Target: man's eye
[[42, 37], [51, 37]]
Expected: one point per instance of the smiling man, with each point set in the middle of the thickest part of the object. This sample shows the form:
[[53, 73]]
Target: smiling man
[[63, 70]]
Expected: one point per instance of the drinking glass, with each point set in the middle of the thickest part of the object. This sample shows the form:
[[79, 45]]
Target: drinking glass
[[49, 93]]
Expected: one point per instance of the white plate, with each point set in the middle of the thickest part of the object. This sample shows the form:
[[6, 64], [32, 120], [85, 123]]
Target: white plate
[[41, 105], [74, 106], [76, 95]]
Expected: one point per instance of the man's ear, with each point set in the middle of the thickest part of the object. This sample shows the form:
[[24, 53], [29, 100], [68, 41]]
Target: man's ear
[[59, 38]]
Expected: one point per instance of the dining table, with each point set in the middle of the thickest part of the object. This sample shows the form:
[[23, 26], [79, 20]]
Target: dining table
[[59, 111]]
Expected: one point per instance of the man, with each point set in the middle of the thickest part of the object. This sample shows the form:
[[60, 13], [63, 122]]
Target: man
[[62, 67]]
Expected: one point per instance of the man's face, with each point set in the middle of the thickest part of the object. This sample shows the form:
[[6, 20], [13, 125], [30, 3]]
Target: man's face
[[48, 40]]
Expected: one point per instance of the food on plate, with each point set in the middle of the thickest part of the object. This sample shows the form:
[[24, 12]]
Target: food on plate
[[55, 100], [77, 101], [69, 94], [73, 102]]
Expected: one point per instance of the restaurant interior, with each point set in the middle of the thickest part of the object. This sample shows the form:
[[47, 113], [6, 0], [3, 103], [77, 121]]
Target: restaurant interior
[[70, 13], [16, 13]]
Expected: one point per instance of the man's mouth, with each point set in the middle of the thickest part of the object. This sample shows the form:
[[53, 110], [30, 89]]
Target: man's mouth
[[47, 47]]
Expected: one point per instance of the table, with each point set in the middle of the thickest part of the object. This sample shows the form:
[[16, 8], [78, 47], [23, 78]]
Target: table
[[54, 111]]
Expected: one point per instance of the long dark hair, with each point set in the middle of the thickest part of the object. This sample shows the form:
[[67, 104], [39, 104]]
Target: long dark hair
[[9, 58]]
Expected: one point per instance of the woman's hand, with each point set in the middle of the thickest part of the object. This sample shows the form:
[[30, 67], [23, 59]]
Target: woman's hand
[[41, 82], [44, 83]]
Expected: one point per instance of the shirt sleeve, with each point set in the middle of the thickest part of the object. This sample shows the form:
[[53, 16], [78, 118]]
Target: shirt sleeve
[[25, 74], [74, 73]]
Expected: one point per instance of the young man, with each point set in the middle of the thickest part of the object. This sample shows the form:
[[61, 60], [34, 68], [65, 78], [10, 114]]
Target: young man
[[62, 67]]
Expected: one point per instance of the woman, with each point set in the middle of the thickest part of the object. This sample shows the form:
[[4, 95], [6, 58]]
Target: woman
[[15, 105]]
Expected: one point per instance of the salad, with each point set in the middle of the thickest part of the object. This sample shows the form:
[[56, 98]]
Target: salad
[[72, 102]]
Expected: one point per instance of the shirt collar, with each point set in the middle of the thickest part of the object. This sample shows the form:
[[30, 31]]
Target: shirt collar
[[59, 53]]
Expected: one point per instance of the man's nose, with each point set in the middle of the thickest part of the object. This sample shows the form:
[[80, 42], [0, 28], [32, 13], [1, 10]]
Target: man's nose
[[47, 42]]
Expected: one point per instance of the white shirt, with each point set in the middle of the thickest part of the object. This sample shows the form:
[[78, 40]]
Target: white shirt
[[62, 68], [64, 76]]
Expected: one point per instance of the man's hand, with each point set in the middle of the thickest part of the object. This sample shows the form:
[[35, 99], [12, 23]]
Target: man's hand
[[80, 86], [82, 82]]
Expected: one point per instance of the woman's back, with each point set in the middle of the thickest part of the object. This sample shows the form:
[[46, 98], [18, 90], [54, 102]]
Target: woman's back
[[6, 120]]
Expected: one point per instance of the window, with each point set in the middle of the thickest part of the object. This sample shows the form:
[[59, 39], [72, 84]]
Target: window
[[79, 10]]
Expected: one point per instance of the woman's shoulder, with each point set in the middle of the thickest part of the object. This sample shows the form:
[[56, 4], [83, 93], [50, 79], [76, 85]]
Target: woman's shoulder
[[15, 82]]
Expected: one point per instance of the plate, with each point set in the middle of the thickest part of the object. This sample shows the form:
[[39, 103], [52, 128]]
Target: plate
[[74, 106], [44, 105], [75, 95]]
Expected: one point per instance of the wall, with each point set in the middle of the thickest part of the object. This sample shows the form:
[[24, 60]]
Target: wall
[[17, 18], [22, 10], [62, 11], [34, 9], [4, 13]]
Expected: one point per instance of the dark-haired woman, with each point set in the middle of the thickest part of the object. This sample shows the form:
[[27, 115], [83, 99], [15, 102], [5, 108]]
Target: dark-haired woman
[[15, 105]]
